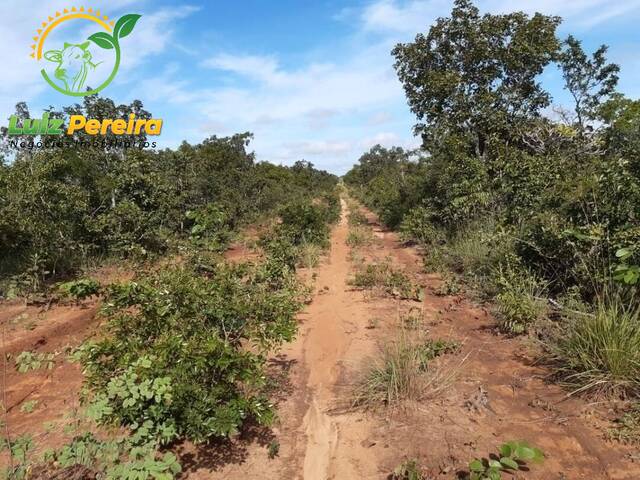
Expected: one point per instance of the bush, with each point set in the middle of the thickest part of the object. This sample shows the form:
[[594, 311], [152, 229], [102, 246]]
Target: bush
[[417, 225], [518, 303], [186, 351]]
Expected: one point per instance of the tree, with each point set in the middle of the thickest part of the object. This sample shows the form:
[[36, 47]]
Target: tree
[[589, 80], [475, 76]]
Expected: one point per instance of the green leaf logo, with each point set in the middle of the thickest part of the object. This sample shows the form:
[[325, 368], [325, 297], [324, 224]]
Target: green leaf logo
[[72, 82], [124, 25], [103, 40]]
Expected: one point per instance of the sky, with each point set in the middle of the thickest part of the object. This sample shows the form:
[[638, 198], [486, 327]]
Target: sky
[[311, 80]]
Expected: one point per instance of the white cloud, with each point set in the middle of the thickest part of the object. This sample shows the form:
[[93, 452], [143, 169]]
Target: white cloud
[[388, 16], [153, 34]]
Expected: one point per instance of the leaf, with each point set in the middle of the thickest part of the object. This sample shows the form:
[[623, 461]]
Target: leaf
[[476, 466], [509, 463], [506, 450], [524, 452], [538, 455], [623, 253], [103, 40], [124, 25]]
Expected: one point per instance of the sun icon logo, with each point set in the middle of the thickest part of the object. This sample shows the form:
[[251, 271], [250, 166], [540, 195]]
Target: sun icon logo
[[69, 63]]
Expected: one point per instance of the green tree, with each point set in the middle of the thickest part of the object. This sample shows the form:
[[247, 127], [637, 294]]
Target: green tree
[[589, 80], [476, 76]]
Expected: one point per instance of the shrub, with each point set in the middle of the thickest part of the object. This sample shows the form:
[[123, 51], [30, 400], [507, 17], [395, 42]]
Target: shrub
[[600, 352], [80, 289], [517, 303], [418, 225], [305, 222], [210, 227], [186, 349]]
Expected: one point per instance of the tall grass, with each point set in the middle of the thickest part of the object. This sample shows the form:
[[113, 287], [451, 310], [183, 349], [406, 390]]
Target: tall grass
[[404, 373], [600, 353]]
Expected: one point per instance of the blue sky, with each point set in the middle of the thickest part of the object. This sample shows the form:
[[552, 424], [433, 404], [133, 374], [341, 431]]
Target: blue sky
[[310, 79]]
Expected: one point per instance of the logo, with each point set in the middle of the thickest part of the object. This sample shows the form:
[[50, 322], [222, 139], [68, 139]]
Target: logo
[[72, 61]]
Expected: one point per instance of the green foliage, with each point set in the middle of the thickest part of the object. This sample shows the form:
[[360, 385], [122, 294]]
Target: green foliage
[[273, 449], [513, 457], [523, 207], [80, 289], [600, 352], [27, 361], [20, 451], [476, 75], [176, 363], [210, 227], [626, 428], [61, 208], [418, 225], [517, 302], [118, 459], [29, 406], [624, 272], [408, 470]]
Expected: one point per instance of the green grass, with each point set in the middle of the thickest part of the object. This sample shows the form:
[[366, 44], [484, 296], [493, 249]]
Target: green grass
[[600, 353], [403, 373]]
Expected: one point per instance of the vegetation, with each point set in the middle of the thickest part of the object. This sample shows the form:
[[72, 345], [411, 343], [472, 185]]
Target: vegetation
[[402, 373], [513, 456], [527, 208], [392, 281], [408, 470], [184, 345]]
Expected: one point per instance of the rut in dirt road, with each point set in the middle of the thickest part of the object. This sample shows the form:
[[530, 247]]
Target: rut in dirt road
[[330, 317]]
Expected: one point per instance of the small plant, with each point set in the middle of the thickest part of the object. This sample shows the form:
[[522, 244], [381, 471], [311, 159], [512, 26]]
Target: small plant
[[517, 304], [393, 282], [408, 470], [80, 289], [359, 236], [513, 457], [356, 217], [449, 287], [29, 406], [21, 462], [411, 321], [626, 429], [273, 449], [401, 373], [432, 349], [118, 459], [27, 361]]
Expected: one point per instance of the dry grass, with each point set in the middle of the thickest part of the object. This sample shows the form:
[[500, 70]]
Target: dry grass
[[404, 372]]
